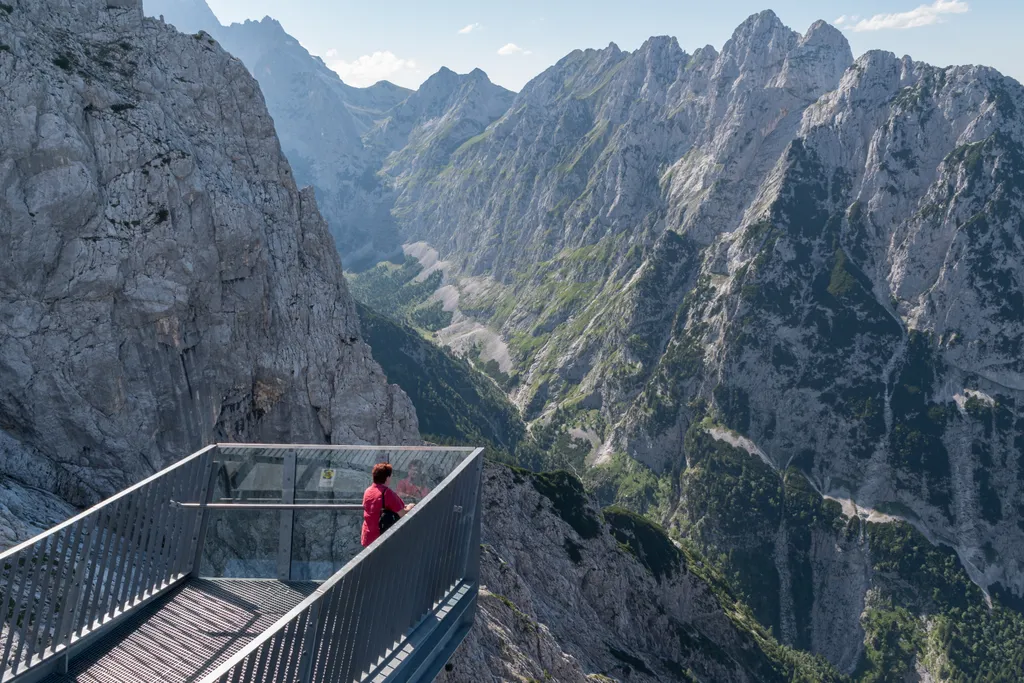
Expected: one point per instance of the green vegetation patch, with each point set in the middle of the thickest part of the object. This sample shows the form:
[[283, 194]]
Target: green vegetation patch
[[841, 281], [454, 402], [973, 642], [892, 639], [647, 541], [569, 500], [393, 290]]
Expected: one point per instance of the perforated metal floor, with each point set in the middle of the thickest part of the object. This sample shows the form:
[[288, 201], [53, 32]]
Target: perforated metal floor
[[186, 635]]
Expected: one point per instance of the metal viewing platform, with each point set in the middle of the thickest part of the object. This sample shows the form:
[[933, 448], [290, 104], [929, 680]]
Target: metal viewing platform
[[243, 563]]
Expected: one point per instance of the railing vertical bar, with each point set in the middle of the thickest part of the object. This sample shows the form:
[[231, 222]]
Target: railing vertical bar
[[237, 670], [185, 515], [275, 653], [102, 577], [371, 643], [41, 615], [30, 602], [261, 666], [82, 555], [62, 569], [168, 515], [287, 520], [469, 506], [95, 548], [329, 640], [146, 496], [432, 560], [398, 618], [195, 492], [425, 547], [123, 553], [70, 573], [446, 530], [138, 583], [378, 616], [161, 538], [20, 565], [165, 573], [294, 649], [124, 507], [309, 640], [158, 537], [204, 516], [471, 572], [12, 598], [362, 621], [286, 650], [456, 539], [343, 663], [250, 664], [129, 561], [453, 558]]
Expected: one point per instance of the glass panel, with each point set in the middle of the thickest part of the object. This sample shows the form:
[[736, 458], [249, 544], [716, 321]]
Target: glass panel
[[244, 543]]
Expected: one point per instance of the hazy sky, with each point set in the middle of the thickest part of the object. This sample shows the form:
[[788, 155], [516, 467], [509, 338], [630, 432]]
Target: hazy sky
[[405, 41]]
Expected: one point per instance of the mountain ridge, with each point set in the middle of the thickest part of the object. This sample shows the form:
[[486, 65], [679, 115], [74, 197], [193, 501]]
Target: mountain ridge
[[768, 283]]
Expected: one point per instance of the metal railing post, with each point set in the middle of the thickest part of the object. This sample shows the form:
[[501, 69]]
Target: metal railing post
[[309, 645], [284, 547], [204, 518], [471, 569]]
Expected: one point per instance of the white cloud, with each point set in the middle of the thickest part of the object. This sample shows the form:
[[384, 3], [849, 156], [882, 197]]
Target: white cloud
[[512, 49], [925, 15], [470, 28], [369, 69]]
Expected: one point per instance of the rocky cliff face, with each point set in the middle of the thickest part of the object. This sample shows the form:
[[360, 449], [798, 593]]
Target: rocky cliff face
[[813, 258], [165, 283], [337, 137], [572, 593]]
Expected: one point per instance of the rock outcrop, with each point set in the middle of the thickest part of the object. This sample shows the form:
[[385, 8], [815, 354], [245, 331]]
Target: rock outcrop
[[338, 137], [817, 256], [573, 594], [164, 283]]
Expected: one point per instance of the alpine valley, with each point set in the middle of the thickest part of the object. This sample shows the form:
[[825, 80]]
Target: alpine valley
[[742, 328]]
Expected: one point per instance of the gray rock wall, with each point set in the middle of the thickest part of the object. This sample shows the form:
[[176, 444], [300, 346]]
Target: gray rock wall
[[164, 284]]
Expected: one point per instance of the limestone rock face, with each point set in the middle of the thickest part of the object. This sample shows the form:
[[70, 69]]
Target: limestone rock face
[[570, 595], [816, 256], [164, 283], [338, 137]]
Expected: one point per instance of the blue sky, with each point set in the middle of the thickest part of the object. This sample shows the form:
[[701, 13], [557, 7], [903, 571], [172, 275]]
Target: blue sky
[[405, 41]]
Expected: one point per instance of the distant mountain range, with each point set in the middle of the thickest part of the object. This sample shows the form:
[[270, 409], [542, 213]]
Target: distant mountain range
[[779, 288]]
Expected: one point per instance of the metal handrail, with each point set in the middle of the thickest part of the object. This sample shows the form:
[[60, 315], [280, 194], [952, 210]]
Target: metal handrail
[[66, 583], [270, 506], [344, 629]]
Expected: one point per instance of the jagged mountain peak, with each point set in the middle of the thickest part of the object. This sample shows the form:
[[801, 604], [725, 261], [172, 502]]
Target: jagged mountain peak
[[764, 23], [666, 45], [825, 35], [441, 81]]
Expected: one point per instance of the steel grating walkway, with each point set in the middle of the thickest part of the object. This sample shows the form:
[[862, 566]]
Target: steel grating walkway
[[184, 636]]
